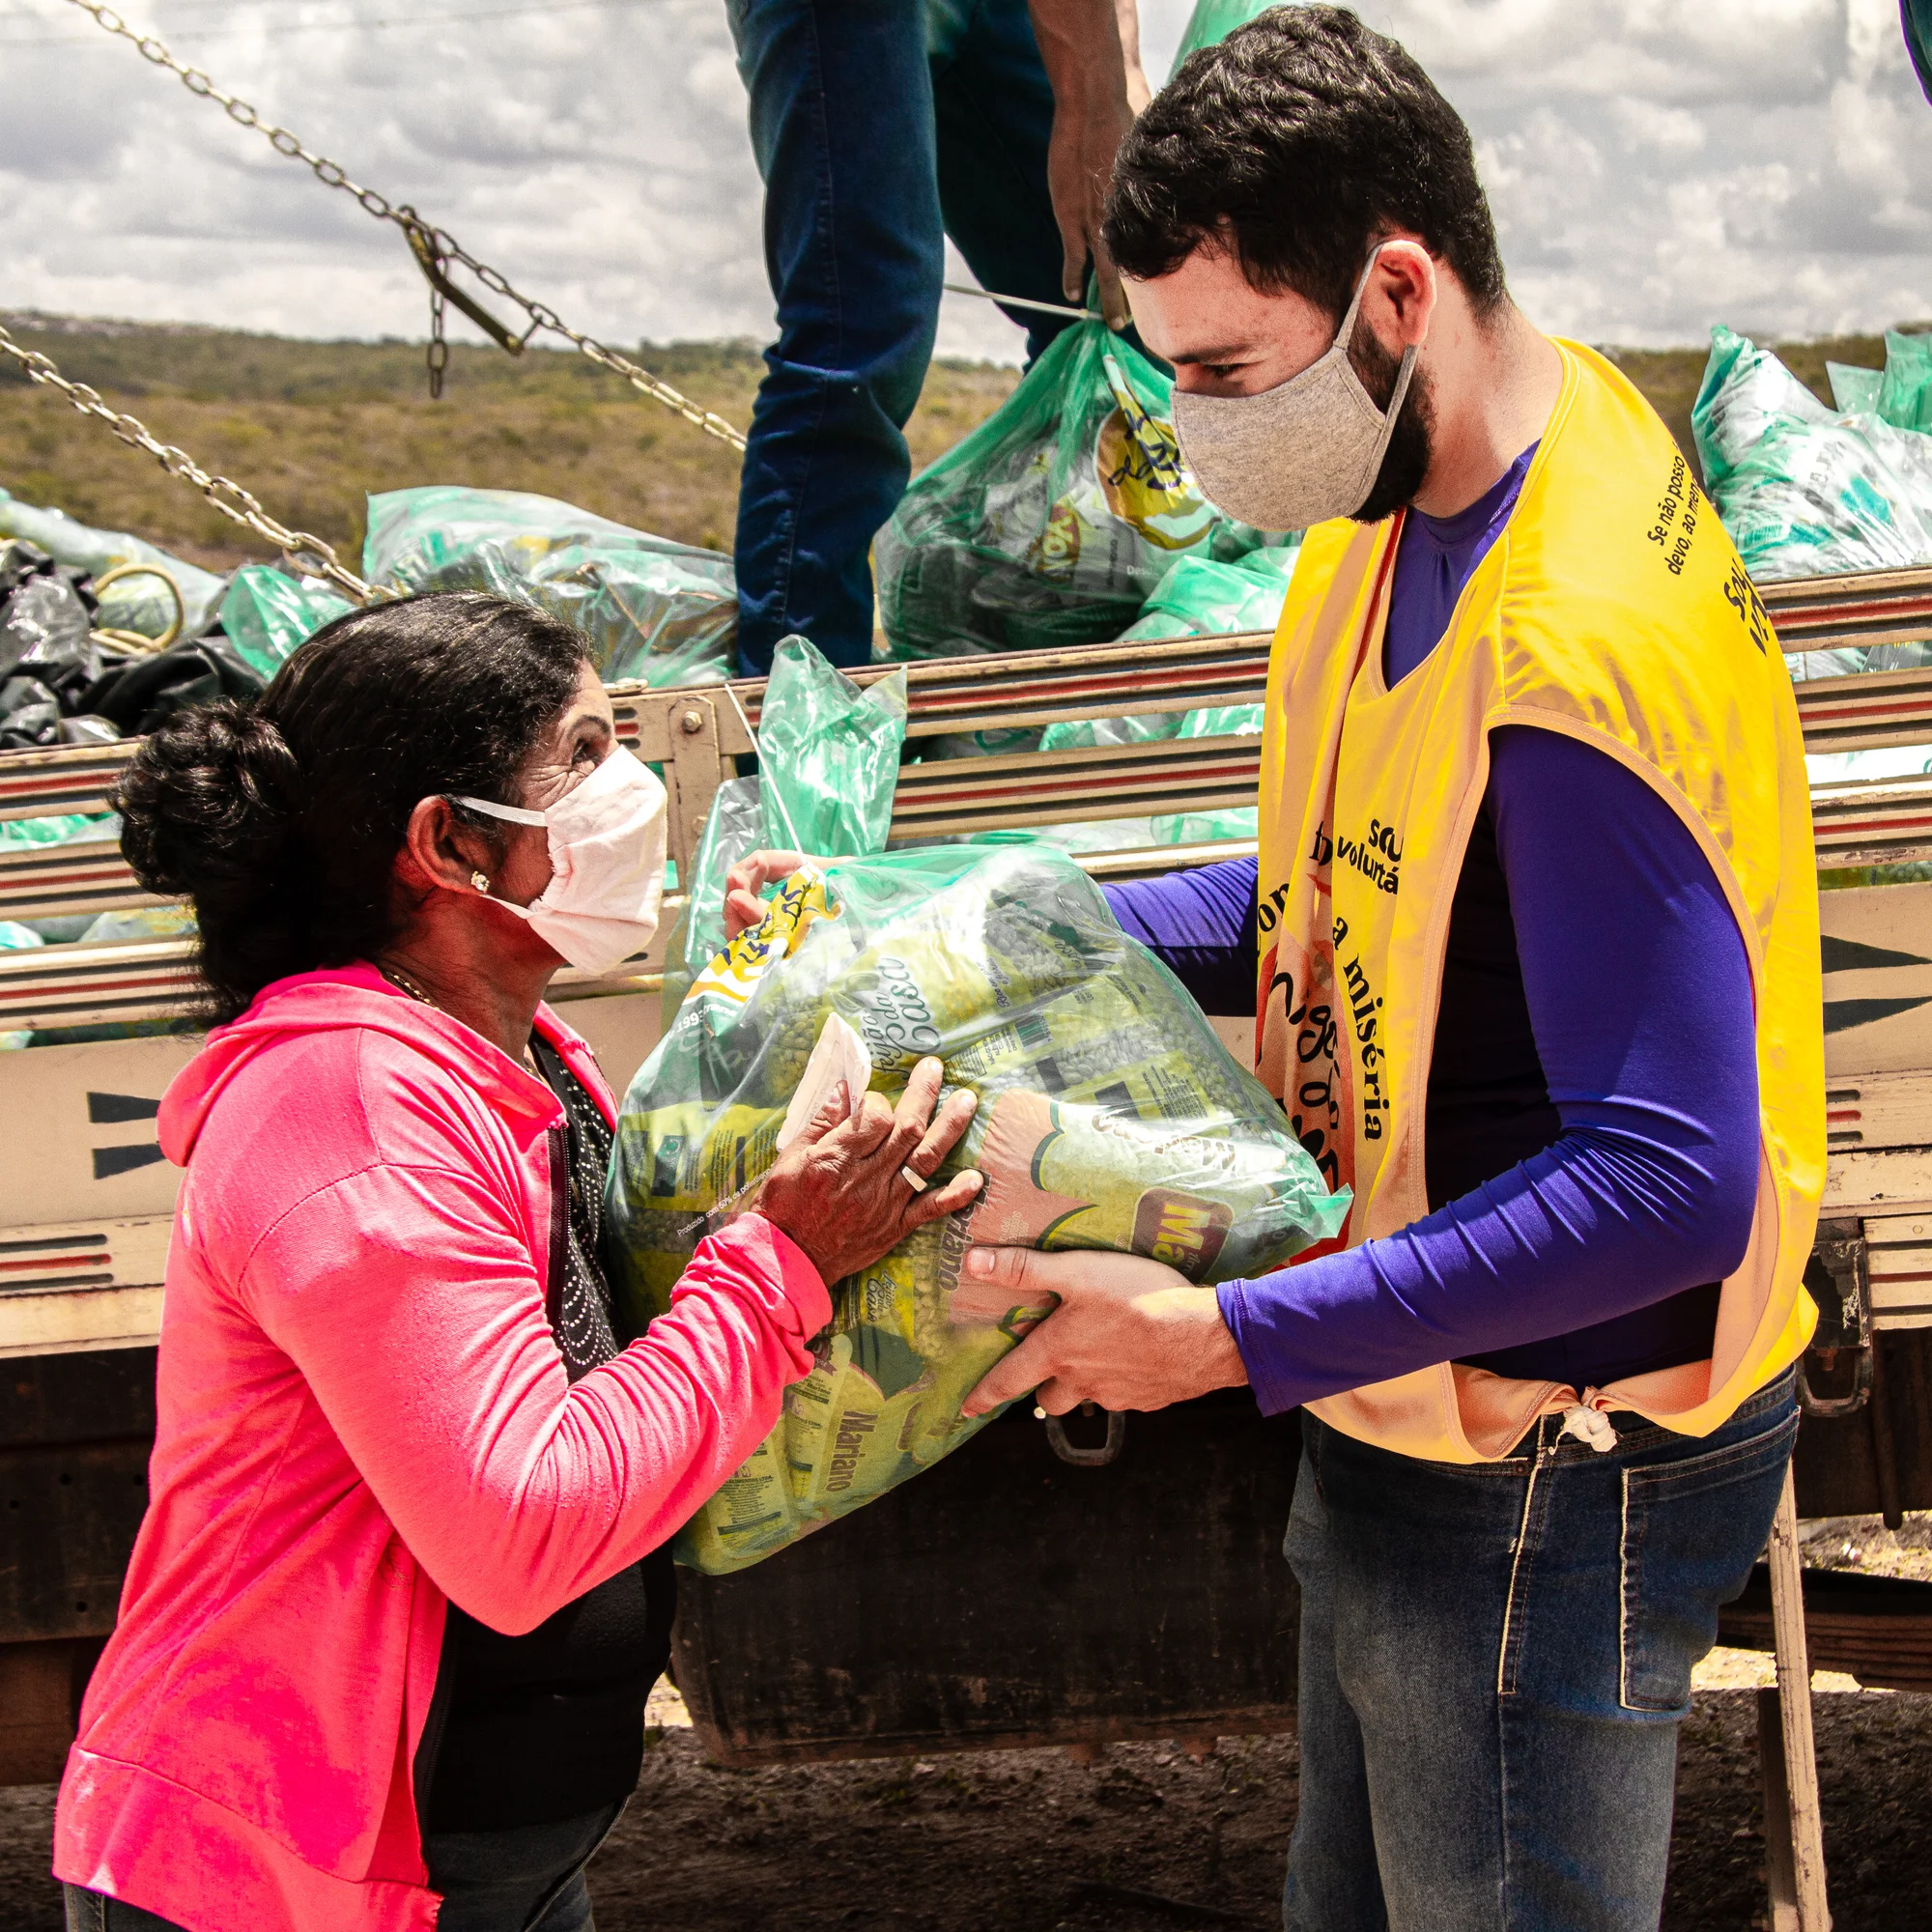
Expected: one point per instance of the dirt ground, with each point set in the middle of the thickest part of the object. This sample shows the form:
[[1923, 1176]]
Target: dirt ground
[[1143, 1841], [1147, 1838]]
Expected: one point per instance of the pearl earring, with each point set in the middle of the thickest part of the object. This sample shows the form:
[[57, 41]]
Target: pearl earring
[[478, 880]]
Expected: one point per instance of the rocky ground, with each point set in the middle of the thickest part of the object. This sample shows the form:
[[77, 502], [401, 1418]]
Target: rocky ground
[[1145, 1838]]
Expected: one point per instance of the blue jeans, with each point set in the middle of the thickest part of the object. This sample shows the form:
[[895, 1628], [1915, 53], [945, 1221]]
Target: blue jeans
[[880, 127], [526, 1879], [1495, 1662]]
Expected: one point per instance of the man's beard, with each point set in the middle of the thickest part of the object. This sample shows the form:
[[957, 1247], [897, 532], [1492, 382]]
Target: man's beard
[[1411, 442]]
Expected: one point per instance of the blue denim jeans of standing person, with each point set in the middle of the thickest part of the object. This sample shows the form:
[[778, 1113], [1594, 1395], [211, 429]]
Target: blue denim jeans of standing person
[[1496, 1658], [880, 128], [528, 1878]]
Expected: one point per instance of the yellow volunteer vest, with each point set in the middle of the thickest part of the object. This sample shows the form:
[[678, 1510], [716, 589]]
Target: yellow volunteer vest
[[1612, 608]]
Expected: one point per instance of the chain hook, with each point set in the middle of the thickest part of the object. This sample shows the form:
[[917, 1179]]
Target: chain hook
[[434, 249]]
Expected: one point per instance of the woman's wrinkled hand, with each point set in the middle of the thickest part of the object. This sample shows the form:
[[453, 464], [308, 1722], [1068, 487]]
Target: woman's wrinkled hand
[[746, 881], [841, 1191]]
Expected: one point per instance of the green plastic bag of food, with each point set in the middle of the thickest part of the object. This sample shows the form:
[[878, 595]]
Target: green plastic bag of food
[[650, 609], [1806, 491], [1802, 490], [1055, 520], [1905, 387], [269, 614], [1855, 390], [830, 757], [1110, 1117], [1201, 598], [1211, 22]]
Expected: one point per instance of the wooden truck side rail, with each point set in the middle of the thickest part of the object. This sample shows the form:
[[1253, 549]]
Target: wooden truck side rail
[[869, 1637], [83, 1207]]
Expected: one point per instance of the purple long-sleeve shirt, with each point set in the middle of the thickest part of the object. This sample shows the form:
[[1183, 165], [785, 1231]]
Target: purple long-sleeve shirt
[[1591, 1133]]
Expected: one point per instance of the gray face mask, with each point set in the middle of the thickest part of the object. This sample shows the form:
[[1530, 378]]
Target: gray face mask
[[1300, 453]]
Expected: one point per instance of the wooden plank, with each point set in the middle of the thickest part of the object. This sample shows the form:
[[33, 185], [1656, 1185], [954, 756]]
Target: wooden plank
[[1898, 1253], [1797, 1764], [1866, 712], [89, 1157], [1879, 1180], [1878, 979], [1881, 1110], [1864, 607], [75, 777], [1888, 824], [83, 985], [72, 1320], [1780, 1864], [697, 733], [82, 1285], [79, 875]]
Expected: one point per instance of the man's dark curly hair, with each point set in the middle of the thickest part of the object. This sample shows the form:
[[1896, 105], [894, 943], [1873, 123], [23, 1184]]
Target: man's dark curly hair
[[1298, 141]]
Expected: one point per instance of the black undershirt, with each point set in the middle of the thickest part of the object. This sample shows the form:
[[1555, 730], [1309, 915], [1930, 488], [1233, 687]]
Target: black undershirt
[[1488, 1106], [532, 1729]]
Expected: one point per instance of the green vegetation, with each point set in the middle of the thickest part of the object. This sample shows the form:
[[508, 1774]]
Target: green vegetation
[[313, 427]]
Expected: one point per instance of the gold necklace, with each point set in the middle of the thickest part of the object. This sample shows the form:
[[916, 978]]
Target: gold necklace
[[402, 981], [403, 984]]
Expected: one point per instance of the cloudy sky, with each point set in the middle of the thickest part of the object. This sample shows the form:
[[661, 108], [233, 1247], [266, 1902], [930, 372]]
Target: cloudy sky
[[1656, 166]]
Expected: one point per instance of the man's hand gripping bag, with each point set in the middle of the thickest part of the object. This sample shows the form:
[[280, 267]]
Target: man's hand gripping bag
[[1110, 1117]]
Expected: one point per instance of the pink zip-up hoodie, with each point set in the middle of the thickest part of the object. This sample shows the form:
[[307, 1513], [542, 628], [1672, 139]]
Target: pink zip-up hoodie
[[364, 1416]]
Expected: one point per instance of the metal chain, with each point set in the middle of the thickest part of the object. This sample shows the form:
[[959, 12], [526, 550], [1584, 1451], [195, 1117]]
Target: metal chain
[[308, 552], [443, 244], [437, 351]]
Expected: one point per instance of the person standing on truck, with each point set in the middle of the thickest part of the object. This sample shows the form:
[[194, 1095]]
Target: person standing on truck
[[1537, 927], [880, 128], [400, 1590]]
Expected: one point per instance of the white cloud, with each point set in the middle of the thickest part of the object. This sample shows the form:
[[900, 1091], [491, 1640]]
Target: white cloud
[[1655, 166]]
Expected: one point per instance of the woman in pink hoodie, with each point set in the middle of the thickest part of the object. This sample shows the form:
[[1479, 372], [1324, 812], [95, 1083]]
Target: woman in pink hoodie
[[400, 1594]]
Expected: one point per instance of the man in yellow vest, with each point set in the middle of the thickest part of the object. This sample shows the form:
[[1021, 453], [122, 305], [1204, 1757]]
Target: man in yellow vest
[[1536, 924]]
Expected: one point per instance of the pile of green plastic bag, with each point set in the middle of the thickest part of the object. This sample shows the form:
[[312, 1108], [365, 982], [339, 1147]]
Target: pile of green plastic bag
[[649, 608], [1110, 1115], [1058, 520], [140, 604], [1055, 521], [1806, 491]]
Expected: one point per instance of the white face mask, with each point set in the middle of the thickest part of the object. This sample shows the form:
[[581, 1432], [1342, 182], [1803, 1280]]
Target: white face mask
[[1299, 453], [607, 846]]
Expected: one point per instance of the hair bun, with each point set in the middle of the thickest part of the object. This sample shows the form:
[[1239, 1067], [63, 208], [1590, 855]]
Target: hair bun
[[207, 802]]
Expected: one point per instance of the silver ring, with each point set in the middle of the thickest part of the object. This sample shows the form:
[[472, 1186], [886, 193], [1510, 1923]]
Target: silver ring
[[911, 1181]]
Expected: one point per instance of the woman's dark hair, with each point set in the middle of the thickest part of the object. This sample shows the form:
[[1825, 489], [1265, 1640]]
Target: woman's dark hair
[[1301, 138], [282, 821]]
